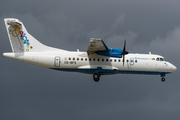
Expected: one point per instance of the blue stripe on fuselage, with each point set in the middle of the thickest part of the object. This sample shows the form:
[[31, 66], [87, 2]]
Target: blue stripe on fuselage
[[109, 72]]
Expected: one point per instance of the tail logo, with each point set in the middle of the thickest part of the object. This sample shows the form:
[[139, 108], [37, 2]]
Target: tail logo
[[16, 32], [16, 29]]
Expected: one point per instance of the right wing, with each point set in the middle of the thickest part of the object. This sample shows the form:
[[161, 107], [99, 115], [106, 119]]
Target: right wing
[[96, 45]]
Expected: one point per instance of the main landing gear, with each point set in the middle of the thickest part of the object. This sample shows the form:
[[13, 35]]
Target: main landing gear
[[96, 77], [98, 72]]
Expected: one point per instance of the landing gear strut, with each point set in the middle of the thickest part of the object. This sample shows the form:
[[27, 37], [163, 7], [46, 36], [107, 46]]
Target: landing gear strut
[[96, 77]]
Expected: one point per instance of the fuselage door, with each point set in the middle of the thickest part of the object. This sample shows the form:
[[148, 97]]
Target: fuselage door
[[131, 61], [57, 61]]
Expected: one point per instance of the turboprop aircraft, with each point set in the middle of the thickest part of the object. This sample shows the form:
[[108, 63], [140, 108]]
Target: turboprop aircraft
[[97, 60]]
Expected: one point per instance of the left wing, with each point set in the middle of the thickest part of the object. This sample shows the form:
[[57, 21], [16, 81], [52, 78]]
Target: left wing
[[96, 45]]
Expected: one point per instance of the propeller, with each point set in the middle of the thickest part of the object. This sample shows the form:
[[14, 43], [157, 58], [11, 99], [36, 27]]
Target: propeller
[[124, 51]]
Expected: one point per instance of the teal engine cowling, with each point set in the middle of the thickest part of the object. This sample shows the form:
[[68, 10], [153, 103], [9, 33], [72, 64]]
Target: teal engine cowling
[[111, 52]]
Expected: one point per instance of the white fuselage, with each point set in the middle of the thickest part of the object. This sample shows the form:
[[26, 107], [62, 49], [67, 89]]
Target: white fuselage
[[81, 62]]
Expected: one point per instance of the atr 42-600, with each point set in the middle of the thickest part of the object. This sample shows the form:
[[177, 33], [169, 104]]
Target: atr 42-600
[[98, 60]]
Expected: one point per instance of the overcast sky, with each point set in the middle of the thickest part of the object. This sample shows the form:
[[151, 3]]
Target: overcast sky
[[29, 92]]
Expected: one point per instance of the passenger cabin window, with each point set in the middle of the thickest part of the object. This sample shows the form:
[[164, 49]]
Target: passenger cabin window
[[98, 59], [69, 58], [85, 59], [110, 60], [119, 60], [81, 59], [89, 59], [77, 59], [73, 58], [114, 60], [102, 59], [94, 59], [135, 61], [127, 60], [106, 60]]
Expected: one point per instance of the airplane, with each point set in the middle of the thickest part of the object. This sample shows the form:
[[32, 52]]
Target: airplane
[[97, 60]]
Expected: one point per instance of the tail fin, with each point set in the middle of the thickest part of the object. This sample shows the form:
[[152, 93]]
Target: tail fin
[[21, 40]]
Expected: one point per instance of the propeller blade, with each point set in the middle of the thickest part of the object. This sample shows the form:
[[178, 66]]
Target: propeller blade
[[124, 51], [123, 60]]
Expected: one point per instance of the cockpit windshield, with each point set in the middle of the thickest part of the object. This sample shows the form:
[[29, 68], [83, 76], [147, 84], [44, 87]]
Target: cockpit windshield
[[164, 59], [160, 59]]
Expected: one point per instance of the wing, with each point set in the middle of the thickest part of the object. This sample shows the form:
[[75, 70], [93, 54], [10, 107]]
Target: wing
[[96, 45]]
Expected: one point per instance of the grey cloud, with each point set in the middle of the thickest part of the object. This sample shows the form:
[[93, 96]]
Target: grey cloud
[[168, 45]]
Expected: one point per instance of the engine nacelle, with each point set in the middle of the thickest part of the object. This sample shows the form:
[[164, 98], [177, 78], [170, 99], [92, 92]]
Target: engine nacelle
[[112, 52]]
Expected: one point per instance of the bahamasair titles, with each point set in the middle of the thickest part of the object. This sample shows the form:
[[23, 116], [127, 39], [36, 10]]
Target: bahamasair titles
[[97, 60]]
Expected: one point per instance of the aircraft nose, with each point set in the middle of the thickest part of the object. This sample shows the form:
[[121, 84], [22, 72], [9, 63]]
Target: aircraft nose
[[173, 68]]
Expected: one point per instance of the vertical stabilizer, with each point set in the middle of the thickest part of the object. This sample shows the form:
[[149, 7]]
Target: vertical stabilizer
[[21, 40]]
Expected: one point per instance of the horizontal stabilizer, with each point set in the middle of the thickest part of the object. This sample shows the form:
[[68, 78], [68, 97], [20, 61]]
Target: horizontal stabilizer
[[13, 22]]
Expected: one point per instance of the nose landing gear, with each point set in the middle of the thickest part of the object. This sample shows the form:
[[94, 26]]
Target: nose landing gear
[[163, 79]]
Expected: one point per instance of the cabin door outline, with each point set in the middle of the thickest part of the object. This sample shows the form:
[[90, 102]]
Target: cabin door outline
[[57, 61]]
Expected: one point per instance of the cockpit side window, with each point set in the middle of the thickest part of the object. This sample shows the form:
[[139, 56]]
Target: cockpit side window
[[164, 59], [160, 59], [157, 59]]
